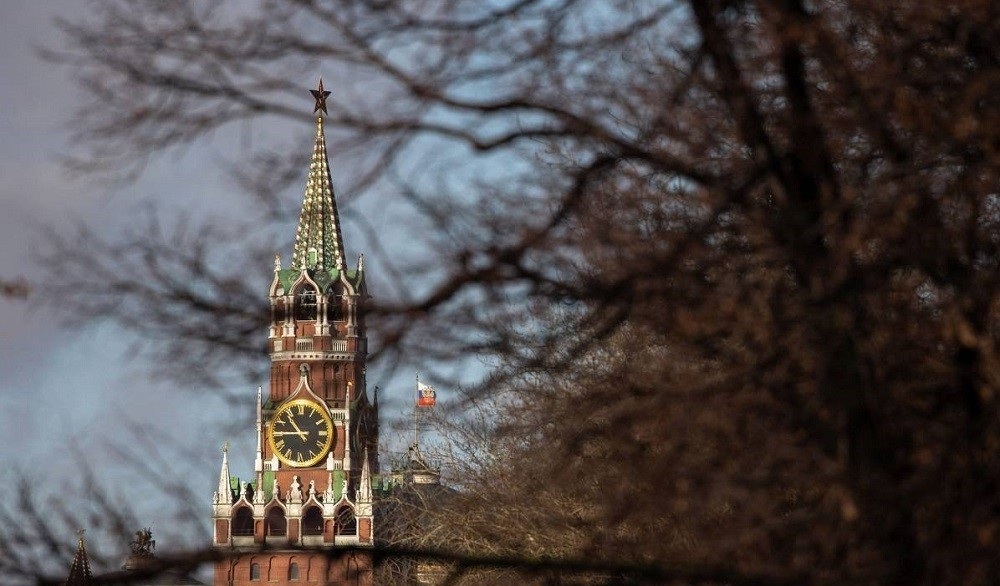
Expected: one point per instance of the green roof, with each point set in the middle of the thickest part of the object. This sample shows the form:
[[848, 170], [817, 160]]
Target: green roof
[[322, 277], [318, 241]]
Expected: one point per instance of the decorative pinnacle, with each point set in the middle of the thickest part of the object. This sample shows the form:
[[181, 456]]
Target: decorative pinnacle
[[320, 94]]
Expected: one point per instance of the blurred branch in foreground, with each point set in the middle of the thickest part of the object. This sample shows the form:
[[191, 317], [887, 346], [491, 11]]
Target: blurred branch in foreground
[[737, 264], [15, 289]]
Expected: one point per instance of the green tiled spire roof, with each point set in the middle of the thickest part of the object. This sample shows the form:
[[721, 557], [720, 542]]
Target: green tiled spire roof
[[318, 243]]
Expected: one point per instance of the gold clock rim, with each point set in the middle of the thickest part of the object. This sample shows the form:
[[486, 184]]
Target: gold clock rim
[[323, 452]]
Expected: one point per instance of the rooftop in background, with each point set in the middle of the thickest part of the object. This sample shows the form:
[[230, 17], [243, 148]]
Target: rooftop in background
[[141, 567]]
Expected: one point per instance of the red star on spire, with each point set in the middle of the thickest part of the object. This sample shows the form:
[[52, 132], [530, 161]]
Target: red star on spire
[[320, 96]]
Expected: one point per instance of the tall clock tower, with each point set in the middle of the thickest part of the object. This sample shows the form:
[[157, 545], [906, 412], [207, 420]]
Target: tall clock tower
[[317, 432]]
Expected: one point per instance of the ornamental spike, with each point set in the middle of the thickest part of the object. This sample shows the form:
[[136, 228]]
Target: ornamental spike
[[225, 494], [258, 463], [365, 488]]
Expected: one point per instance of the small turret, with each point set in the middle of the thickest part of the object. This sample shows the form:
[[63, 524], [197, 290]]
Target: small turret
[[224, 494], [347, 427], [328, 495], [223, 499], [365, 485], [363, 500]]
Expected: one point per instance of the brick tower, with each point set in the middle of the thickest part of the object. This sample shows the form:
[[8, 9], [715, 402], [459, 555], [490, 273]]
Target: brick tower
[[306, 516]]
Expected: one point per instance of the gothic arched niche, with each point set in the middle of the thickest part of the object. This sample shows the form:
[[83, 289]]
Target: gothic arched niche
[[305, 302], [335, 310], [279, 312], [312, 521], [243, 522], [275, 522], [346, 523]]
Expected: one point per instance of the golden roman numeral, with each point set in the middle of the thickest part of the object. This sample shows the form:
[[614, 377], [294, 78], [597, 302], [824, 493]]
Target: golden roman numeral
[[302, 409], [324, 432], [280, 444], [319, 444]]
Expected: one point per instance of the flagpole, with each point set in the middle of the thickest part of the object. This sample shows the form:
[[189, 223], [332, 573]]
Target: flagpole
[[416, 407]]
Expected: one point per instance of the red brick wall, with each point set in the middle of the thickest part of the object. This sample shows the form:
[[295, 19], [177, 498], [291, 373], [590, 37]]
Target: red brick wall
[[221, 530], [338, 569]]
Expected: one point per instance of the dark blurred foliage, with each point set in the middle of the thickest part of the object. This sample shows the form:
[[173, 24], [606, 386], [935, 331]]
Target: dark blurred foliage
[[735, 263]]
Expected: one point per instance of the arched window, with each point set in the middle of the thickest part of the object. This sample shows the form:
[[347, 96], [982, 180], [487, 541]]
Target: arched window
[[279, 312], [305, 303], [312, 521], [275, 523], [293, 571], [335, 304], [243, 522], [255, 571], [346, 523]]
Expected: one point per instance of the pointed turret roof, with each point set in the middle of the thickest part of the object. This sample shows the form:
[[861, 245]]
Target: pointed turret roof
[[318, 241], [224, 494], [365, 489], [79, 572]]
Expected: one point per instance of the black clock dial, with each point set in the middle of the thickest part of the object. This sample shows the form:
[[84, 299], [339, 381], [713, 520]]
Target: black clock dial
[[301, 433]]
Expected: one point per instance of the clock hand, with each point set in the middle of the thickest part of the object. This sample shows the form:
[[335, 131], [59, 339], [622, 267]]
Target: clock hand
[[298, 433], [301, 433]]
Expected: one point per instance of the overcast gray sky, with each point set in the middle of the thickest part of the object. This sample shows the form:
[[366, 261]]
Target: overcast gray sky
[[68, 392]]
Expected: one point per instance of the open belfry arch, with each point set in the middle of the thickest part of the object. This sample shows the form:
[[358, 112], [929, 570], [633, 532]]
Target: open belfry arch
[[317, 431]]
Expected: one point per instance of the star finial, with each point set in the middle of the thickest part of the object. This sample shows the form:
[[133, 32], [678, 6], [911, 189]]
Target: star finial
[[320, 94], [225, 446]]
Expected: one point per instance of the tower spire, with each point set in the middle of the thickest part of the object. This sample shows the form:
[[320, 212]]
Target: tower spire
[[79, 572], [318, 241]]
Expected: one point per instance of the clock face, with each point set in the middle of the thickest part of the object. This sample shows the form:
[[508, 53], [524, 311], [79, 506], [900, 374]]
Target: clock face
[[301, 433]]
